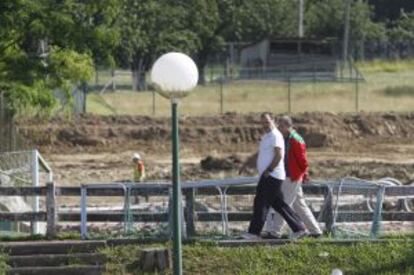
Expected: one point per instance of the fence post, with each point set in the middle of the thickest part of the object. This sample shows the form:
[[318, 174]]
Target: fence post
[[170, 217], [113, 74], [170, 212], [289, 96], [314, 74], [96, 76], [356, 95], [190, 212], [51, 210], [376, 224], [153, 102], [221, 96], [328, 216], [84, 217], [84, 96], [35, 180]]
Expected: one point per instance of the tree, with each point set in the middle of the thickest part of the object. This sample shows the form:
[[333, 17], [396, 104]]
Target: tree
[[325, 18], [216, 22], [49, 44], [261, 19], [401, 35], [149, 28], [213, 23]]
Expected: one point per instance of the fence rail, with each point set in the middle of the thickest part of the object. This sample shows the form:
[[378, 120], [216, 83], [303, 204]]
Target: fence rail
[[224, 188]]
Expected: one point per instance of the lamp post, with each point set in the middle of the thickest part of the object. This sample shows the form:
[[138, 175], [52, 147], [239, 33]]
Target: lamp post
[[174, 76]]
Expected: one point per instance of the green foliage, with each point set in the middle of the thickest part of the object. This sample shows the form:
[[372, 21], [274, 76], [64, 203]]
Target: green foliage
[[34, 85], [47, 45], [119, 257], [3, 263], [377, 65], [326, 18], [267, 18], [402, 30], [68, 66], [149, 28]]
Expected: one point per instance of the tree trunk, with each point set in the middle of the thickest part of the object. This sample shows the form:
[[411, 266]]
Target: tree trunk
[[138, 75], [135, 80], [202, 62], [155, 259], [202, 78]]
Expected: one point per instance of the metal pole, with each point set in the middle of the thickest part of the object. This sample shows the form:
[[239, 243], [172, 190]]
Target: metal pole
[[231, 45], [153, 103], [300, 19], [289, 97], [35, 180], [85, 96], [113, 80], [177, 257], [221, 97], [346, 31], [356, 95], [96, 76], [84, 217], [127, 209]]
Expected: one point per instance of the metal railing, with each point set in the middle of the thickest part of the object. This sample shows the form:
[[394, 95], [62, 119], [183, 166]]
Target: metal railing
[[191, 190]]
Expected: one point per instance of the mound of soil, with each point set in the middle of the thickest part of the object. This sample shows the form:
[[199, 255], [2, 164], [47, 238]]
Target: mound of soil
[[99, 148], [372, 170], [91, 133], [215, 163]]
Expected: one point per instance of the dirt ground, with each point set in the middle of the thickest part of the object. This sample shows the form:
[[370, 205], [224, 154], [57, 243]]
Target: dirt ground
[[92, 149]]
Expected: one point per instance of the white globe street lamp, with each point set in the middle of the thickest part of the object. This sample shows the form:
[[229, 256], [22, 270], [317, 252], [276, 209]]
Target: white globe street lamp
[[174, 75]]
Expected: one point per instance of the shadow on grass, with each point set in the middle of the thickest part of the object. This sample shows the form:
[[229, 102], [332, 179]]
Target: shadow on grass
[[404, 90]]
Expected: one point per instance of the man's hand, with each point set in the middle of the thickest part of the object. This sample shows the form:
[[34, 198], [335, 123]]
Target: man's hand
[[306, 178], [267, 172]]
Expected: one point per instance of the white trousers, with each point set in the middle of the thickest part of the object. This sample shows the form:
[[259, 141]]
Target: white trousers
[[292, 195]]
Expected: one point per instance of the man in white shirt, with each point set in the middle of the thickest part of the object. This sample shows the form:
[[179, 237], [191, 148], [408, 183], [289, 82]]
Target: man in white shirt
[[271, 168], [296, 167]]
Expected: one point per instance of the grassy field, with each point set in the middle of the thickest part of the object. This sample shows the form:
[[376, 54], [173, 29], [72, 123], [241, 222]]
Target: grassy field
[[308, 257], [389, 86], [394, 255]]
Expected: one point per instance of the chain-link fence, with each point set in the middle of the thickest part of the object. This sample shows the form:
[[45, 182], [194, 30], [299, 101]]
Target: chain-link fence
[[10, 139], [343, 88]]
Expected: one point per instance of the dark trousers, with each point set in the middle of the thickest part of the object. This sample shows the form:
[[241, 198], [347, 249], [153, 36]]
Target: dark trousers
[[269, 194]]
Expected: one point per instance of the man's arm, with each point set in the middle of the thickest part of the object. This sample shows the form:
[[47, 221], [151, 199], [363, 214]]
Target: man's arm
[[249, 162], [299, 151]]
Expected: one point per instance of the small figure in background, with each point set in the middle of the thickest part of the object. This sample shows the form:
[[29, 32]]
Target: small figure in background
[[138, 168], [138, 172]]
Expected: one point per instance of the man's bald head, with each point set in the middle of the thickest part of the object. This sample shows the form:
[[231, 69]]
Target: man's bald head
[[286, 120], [285, 124]]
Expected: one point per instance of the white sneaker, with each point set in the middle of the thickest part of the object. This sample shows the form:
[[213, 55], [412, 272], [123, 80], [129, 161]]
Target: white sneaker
[[250, 236], [298, 235]]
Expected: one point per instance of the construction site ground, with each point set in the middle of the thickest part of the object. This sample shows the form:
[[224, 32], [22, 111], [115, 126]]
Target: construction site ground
[[91, 148]]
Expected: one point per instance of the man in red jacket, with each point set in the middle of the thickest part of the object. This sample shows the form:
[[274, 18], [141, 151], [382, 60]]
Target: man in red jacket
[[296, 166]]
